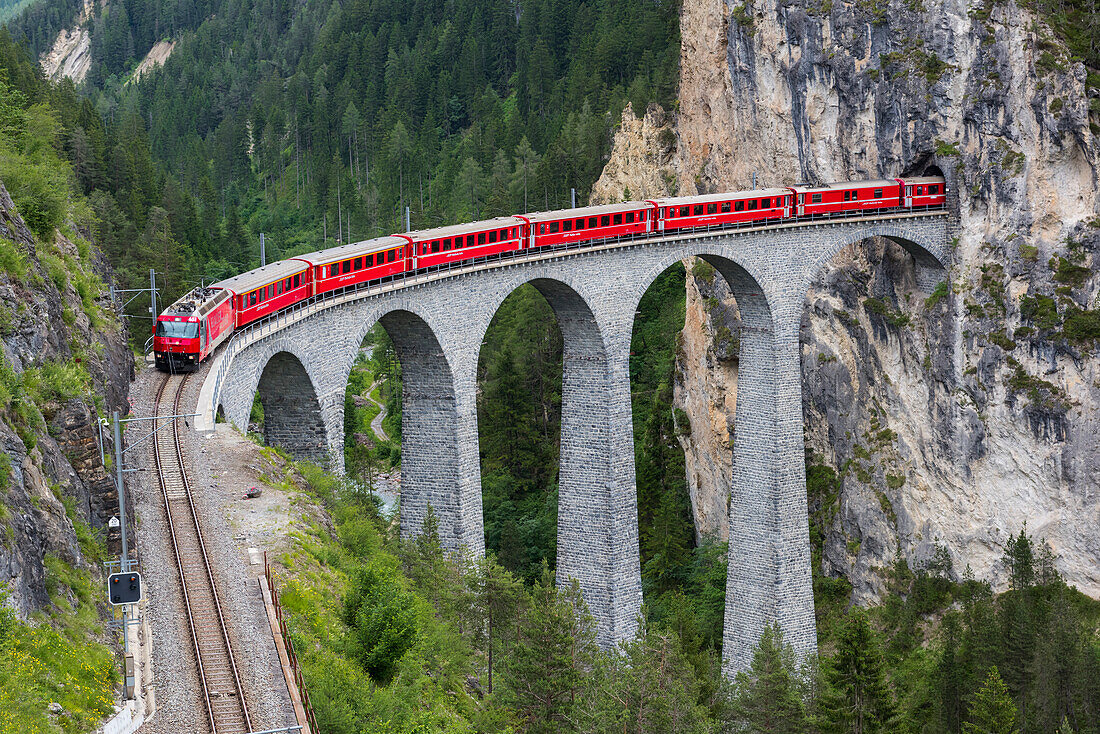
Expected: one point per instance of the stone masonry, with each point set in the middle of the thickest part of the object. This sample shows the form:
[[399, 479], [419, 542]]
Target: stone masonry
[[438, 326]]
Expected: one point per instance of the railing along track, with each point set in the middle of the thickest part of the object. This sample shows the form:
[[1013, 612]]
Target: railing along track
[[226, 710]]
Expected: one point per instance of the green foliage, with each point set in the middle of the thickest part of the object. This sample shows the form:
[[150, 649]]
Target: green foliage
[[1082, 326], [1040, 310], [1070, 273], [939, 293], [993, 710], [861, 700], [945, 149], [13, 260], [769, 695], [382, 615], [879, 307]]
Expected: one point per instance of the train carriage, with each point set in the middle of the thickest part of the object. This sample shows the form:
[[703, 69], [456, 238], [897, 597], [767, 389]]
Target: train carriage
[[566, 226], [432, 248], [358, 262], [722, 209], [925, 191], [266, 290], [846, 197]]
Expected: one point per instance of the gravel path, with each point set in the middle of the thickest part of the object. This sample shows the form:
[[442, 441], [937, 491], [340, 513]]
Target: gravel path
[[227, 535]]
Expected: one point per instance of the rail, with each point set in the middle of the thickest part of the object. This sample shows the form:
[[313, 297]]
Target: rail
[[227, 712], [307, 307], [299, 679]]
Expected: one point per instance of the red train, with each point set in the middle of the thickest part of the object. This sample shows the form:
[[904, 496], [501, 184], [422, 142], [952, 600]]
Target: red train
[[192, 327]]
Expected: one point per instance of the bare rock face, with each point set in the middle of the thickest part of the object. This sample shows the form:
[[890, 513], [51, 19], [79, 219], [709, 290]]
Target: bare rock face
[[951, 417], [644, 162], [53, 475]]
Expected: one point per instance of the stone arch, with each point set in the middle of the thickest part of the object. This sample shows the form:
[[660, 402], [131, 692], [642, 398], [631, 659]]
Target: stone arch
[[597, 534], [768, 576], [435, 440], [293, 420], [931, 257]]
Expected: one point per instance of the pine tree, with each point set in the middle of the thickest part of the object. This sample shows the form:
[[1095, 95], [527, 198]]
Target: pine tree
[[863, 701], [992, 711], [768, 696], [545, 674]]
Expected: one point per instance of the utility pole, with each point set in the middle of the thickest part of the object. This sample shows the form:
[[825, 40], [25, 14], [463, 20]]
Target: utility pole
[[408, 221], [263, 252], [572, 198], [153, 296], [121, 487]]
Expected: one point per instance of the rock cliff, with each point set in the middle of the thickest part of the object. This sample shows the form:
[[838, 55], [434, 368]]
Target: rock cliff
[[64, 356], [951, 416]]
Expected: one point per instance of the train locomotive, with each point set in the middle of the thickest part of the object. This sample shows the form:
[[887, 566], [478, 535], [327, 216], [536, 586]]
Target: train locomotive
[[194, 326]]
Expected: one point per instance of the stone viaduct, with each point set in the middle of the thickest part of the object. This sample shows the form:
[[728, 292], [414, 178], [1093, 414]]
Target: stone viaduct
[[300, 364]]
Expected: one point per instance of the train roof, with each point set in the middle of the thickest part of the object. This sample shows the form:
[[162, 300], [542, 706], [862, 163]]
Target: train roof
[[453, 230], [585, 211], [924, 180], [245, 282], [350, 250], [727, 196], [197, 302], [884, 182]]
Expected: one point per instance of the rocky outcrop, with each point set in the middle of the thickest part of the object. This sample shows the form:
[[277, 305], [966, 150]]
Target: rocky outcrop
[[71, 54], [644, 163], [53, 479], [951, 416]]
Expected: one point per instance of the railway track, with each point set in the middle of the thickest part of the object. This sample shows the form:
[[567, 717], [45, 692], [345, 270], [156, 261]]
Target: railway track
[[226, 710]]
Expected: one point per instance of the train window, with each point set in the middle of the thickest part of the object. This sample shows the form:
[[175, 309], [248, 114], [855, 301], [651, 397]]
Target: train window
[[271, 291], [567, 225], [685, 210], [435, 246], [697, 209], [591, 222], [345, 267], [815, 198], [920, 190], [503, 235], [643, 215], [878, 193], [605, 220], [752, 204], [357, 264], [847, 195], [492, 236], [712, 208], [391, 255], [725, 208], [333, 270], [934, 189], [630, 218], [279, 288], [618, 219], [580, 223], [855, 195], [446, 245], [542, 229], [765, 202], [553, 227], [481, 238], [298, 280], [739, 206], [252, 298]]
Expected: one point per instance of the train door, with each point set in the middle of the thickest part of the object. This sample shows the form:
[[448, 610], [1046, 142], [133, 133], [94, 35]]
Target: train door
[[787, 205], [801, 205], [202, 338], [908, 195]]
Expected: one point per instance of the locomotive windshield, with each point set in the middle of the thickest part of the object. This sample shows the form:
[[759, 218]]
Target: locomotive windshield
[[178, 329]]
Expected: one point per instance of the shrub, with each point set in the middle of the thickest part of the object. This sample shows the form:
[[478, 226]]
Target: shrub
[[39, 190], [938, 294], [1082, 326], [383, 615]]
